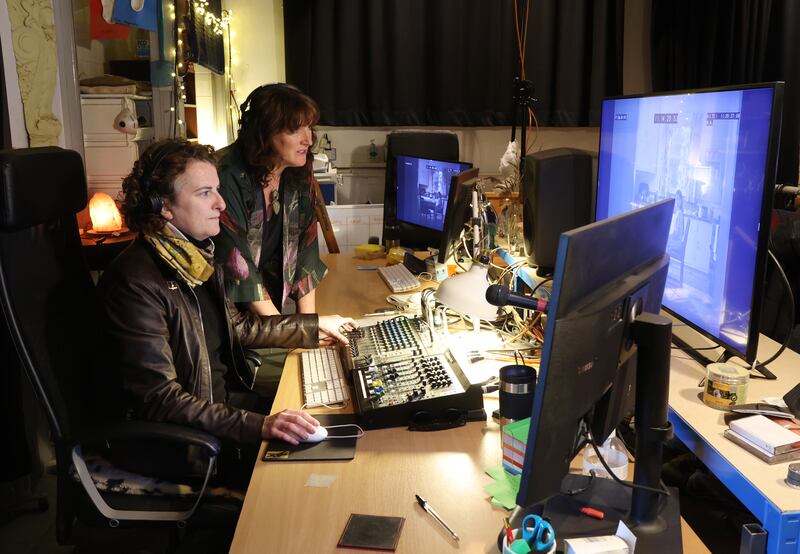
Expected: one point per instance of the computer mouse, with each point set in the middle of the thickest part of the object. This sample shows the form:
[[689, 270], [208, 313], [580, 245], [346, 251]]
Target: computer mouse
[[317, 435]]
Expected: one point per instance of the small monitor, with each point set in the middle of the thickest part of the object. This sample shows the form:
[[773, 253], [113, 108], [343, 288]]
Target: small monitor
[[422, 191], [458, 211], [715, 152]]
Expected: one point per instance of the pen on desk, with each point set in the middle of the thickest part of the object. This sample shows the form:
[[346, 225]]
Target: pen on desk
[[427, 507]]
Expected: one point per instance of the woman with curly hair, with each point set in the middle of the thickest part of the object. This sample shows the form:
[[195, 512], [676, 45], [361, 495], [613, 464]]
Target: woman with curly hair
[[268, 245], [171, 330]]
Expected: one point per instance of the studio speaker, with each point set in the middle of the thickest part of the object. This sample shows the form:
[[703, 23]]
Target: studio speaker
[[558, 188]]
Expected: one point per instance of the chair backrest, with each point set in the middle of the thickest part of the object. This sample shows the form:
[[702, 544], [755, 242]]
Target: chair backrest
[[433, 145], [685, 235], [46, 290]]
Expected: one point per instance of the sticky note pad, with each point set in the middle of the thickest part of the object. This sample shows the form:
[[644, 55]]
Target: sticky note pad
[[371, 532]]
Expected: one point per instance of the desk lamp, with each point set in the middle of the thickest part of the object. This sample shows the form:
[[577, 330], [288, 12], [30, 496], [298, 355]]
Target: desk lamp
[[466, 294]]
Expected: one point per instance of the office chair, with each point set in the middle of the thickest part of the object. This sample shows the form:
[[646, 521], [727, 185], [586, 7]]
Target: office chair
[[677, 249], [433, 145], [48, 311]]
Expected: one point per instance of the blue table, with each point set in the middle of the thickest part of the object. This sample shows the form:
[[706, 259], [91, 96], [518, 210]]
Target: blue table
[[757, 485]]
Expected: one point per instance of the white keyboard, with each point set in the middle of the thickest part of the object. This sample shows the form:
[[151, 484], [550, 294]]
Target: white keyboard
[[398, 278], [323, 379]]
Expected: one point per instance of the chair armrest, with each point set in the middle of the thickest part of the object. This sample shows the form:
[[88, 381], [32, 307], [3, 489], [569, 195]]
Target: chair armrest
[[149, 430]]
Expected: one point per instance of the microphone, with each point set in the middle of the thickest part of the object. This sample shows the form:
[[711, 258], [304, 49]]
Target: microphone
[[499, 295]]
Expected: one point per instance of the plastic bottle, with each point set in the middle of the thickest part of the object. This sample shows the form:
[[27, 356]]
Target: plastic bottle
[[615, 455], [490, 223]]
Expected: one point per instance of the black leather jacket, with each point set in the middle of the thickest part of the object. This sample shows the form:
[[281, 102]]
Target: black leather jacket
[[154, 337]]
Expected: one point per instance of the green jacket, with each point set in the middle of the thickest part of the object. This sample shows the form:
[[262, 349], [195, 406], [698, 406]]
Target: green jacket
[[238, 246]]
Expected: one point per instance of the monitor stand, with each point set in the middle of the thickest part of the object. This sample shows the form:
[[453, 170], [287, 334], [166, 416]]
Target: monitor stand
[[653, 518], [703, 361], [614, 501]]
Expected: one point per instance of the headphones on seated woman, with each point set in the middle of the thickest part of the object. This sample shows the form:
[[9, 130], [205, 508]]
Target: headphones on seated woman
[[151, 200]]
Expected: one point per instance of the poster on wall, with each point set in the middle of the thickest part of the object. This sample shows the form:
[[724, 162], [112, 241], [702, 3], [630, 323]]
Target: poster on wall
[[137, 13], [100, 25]]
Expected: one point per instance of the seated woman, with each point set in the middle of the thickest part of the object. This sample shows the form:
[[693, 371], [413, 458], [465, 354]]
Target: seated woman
[[268, 245], [176, 337]]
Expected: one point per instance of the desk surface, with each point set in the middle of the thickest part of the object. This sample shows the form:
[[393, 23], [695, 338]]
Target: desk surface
[[281, 514], [708, 422]]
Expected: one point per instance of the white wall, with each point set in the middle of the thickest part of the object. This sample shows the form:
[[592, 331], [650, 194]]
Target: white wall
[[257, 44], [482, 146]]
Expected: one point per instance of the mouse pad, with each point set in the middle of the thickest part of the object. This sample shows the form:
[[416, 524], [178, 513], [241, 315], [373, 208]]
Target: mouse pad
[[328, 449], [371, 532]]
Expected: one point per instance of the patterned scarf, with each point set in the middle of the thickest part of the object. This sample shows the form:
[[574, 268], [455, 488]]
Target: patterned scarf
[[194, 265]]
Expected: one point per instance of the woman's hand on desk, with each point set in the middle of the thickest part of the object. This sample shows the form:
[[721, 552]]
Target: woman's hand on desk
[[331, 327], [291, 426]]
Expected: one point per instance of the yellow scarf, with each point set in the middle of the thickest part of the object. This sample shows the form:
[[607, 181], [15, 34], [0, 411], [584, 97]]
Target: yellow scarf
[[193, 265]]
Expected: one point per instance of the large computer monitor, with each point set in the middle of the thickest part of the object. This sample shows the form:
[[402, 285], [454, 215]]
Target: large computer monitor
[[458, 211], [609, 277], [423, 187], [715, 152]]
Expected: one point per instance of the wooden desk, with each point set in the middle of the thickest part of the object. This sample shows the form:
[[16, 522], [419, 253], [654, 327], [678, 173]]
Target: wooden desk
[[757, 485], [281, 514]]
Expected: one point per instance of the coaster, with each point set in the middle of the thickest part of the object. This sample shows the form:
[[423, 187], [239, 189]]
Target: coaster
[[371, 532]]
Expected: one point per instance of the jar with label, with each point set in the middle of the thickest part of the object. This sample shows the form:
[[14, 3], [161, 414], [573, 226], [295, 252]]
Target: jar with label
[[726, 385]]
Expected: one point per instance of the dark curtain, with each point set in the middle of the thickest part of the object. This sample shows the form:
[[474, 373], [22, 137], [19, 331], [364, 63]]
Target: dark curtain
[[729, 42], [452, 62]]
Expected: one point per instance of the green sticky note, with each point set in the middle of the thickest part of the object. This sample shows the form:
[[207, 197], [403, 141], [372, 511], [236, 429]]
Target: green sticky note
[[497, 472], [497, 488], [507, 500], [518, 429]]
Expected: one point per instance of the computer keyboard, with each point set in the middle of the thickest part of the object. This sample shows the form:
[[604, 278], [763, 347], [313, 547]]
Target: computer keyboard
[[398, 278], [323, 379]]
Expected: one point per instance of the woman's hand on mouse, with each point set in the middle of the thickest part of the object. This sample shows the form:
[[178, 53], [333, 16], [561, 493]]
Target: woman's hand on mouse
[[331, 327], [291, 426]]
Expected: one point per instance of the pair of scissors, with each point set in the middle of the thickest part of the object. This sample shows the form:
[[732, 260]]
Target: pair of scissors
[[538, 533]]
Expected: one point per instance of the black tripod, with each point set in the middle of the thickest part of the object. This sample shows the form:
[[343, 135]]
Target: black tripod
[[523, 99]]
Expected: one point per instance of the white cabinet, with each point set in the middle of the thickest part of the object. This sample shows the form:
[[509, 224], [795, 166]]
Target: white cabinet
[[110, 152], [353, 225]]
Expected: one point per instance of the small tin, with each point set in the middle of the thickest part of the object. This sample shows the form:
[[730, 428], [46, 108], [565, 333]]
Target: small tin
[[726, 385], [793, 476]]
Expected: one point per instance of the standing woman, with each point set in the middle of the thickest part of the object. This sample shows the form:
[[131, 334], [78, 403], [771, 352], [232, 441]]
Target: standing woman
[[268, 245]]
